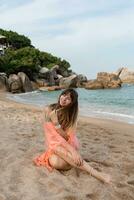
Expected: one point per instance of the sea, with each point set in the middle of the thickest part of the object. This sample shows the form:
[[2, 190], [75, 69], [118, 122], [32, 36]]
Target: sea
[[116, 104]]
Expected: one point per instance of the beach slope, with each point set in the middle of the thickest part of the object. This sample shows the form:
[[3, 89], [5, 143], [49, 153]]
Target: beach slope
[[106, 145]]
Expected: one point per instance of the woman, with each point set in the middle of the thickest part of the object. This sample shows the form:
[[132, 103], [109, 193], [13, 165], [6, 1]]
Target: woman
[[60, 123]]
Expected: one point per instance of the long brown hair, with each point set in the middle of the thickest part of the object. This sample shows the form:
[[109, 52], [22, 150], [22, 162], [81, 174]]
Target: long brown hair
[[67, 116]]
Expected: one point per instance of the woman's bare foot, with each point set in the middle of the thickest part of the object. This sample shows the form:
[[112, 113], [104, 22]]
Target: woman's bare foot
[[106, 178]]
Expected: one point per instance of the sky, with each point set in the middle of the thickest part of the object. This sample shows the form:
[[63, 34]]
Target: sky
[[93, 36]]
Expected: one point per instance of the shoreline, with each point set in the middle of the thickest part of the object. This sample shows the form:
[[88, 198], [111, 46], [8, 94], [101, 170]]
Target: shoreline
[[3, 97], [106, 145]]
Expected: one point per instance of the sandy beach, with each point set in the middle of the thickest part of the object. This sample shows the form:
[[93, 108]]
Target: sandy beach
[[106, 145]]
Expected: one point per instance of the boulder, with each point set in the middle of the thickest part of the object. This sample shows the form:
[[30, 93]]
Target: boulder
[[68, 82], [53, 79], [81, 79], [44, 73], [113, 84], [109, 80], [26, 83], [118, 72], [43, 70], [50, 75], [93, 84], [34, 85], [63, 72], [55, 67], [104, 80], [126, 75], [3, 82], [41, 82], [59, 76], [15, 84]]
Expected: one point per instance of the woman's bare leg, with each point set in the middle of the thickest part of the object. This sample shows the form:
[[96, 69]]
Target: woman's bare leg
[[58, 162], [62, 153]]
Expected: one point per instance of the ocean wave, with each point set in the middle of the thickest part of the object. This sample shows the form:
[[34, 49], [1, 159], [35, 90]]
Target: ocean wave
[[116, 114], [26, 93]]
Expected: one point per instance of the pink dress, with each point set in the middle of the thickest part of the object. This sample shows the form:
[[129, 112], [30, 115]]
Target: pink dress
[[52, 140]]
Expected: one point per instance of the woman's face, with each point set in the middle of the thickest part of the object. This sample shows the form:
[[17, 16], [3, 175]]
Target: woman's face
[[65, 99]]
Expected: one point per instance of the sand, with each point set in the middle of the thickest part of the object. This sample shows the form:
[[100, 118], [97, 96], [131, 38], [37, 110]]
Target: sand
[[106, 145]]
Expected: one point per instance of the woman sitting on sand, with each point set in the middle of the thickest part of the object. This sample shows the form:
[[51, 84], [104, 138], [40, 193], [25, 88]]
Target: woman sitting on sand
[[60, 122]]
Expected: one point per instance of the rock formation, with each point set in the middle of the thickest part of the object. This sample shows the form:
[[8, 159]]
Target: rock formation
[[126, 75], [104, 80], [3, 82]]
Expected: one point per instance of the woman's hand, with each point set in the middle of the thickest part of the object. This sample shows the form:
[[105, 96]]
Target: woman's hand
[[77, 158]]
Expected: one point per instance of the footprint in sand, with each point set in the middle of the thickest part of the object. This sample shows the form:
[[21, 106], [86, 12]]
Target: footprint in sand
[[131, 182], [70, 198], [97, 139], [84, 145], [130, 141], [120, 185], [92, 196], [111, 146]]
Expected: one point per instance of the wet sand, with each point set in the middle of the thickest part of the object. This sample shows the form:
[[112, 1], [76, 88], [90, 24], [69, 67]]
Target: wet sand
[[106, 145]]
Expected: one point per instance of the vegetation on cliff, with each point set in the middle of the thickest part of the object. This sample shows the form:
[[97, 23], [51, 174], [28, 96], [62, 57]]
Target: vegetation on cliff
[[22, 56]]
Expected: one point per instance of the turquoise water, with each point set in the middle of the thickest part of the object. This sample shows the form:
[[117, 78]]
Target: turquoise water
[[115, 104]]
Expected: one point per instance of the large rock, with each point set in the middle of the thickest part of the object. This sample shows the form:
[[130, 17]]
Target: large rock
[[50, 75], [64, 72], [118, 72], [113, 84], [93, 84], [53, 78], [43, 70], [34, 85], [104, 80], [26, 83], [109, 80], [55, 67], [15, 84], [59, 76], [126, 75], [44, 73], [81, 79], [68, 82], [41, 82], [3, 82]]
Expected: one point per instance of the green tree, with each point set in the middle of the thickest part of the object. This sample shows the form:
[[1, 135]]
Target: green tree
[[15, 40]]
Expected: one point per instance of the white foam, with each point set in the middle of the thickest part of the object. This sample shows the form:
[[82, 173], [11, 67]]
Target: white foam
[[27, 93], [116, 114]]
